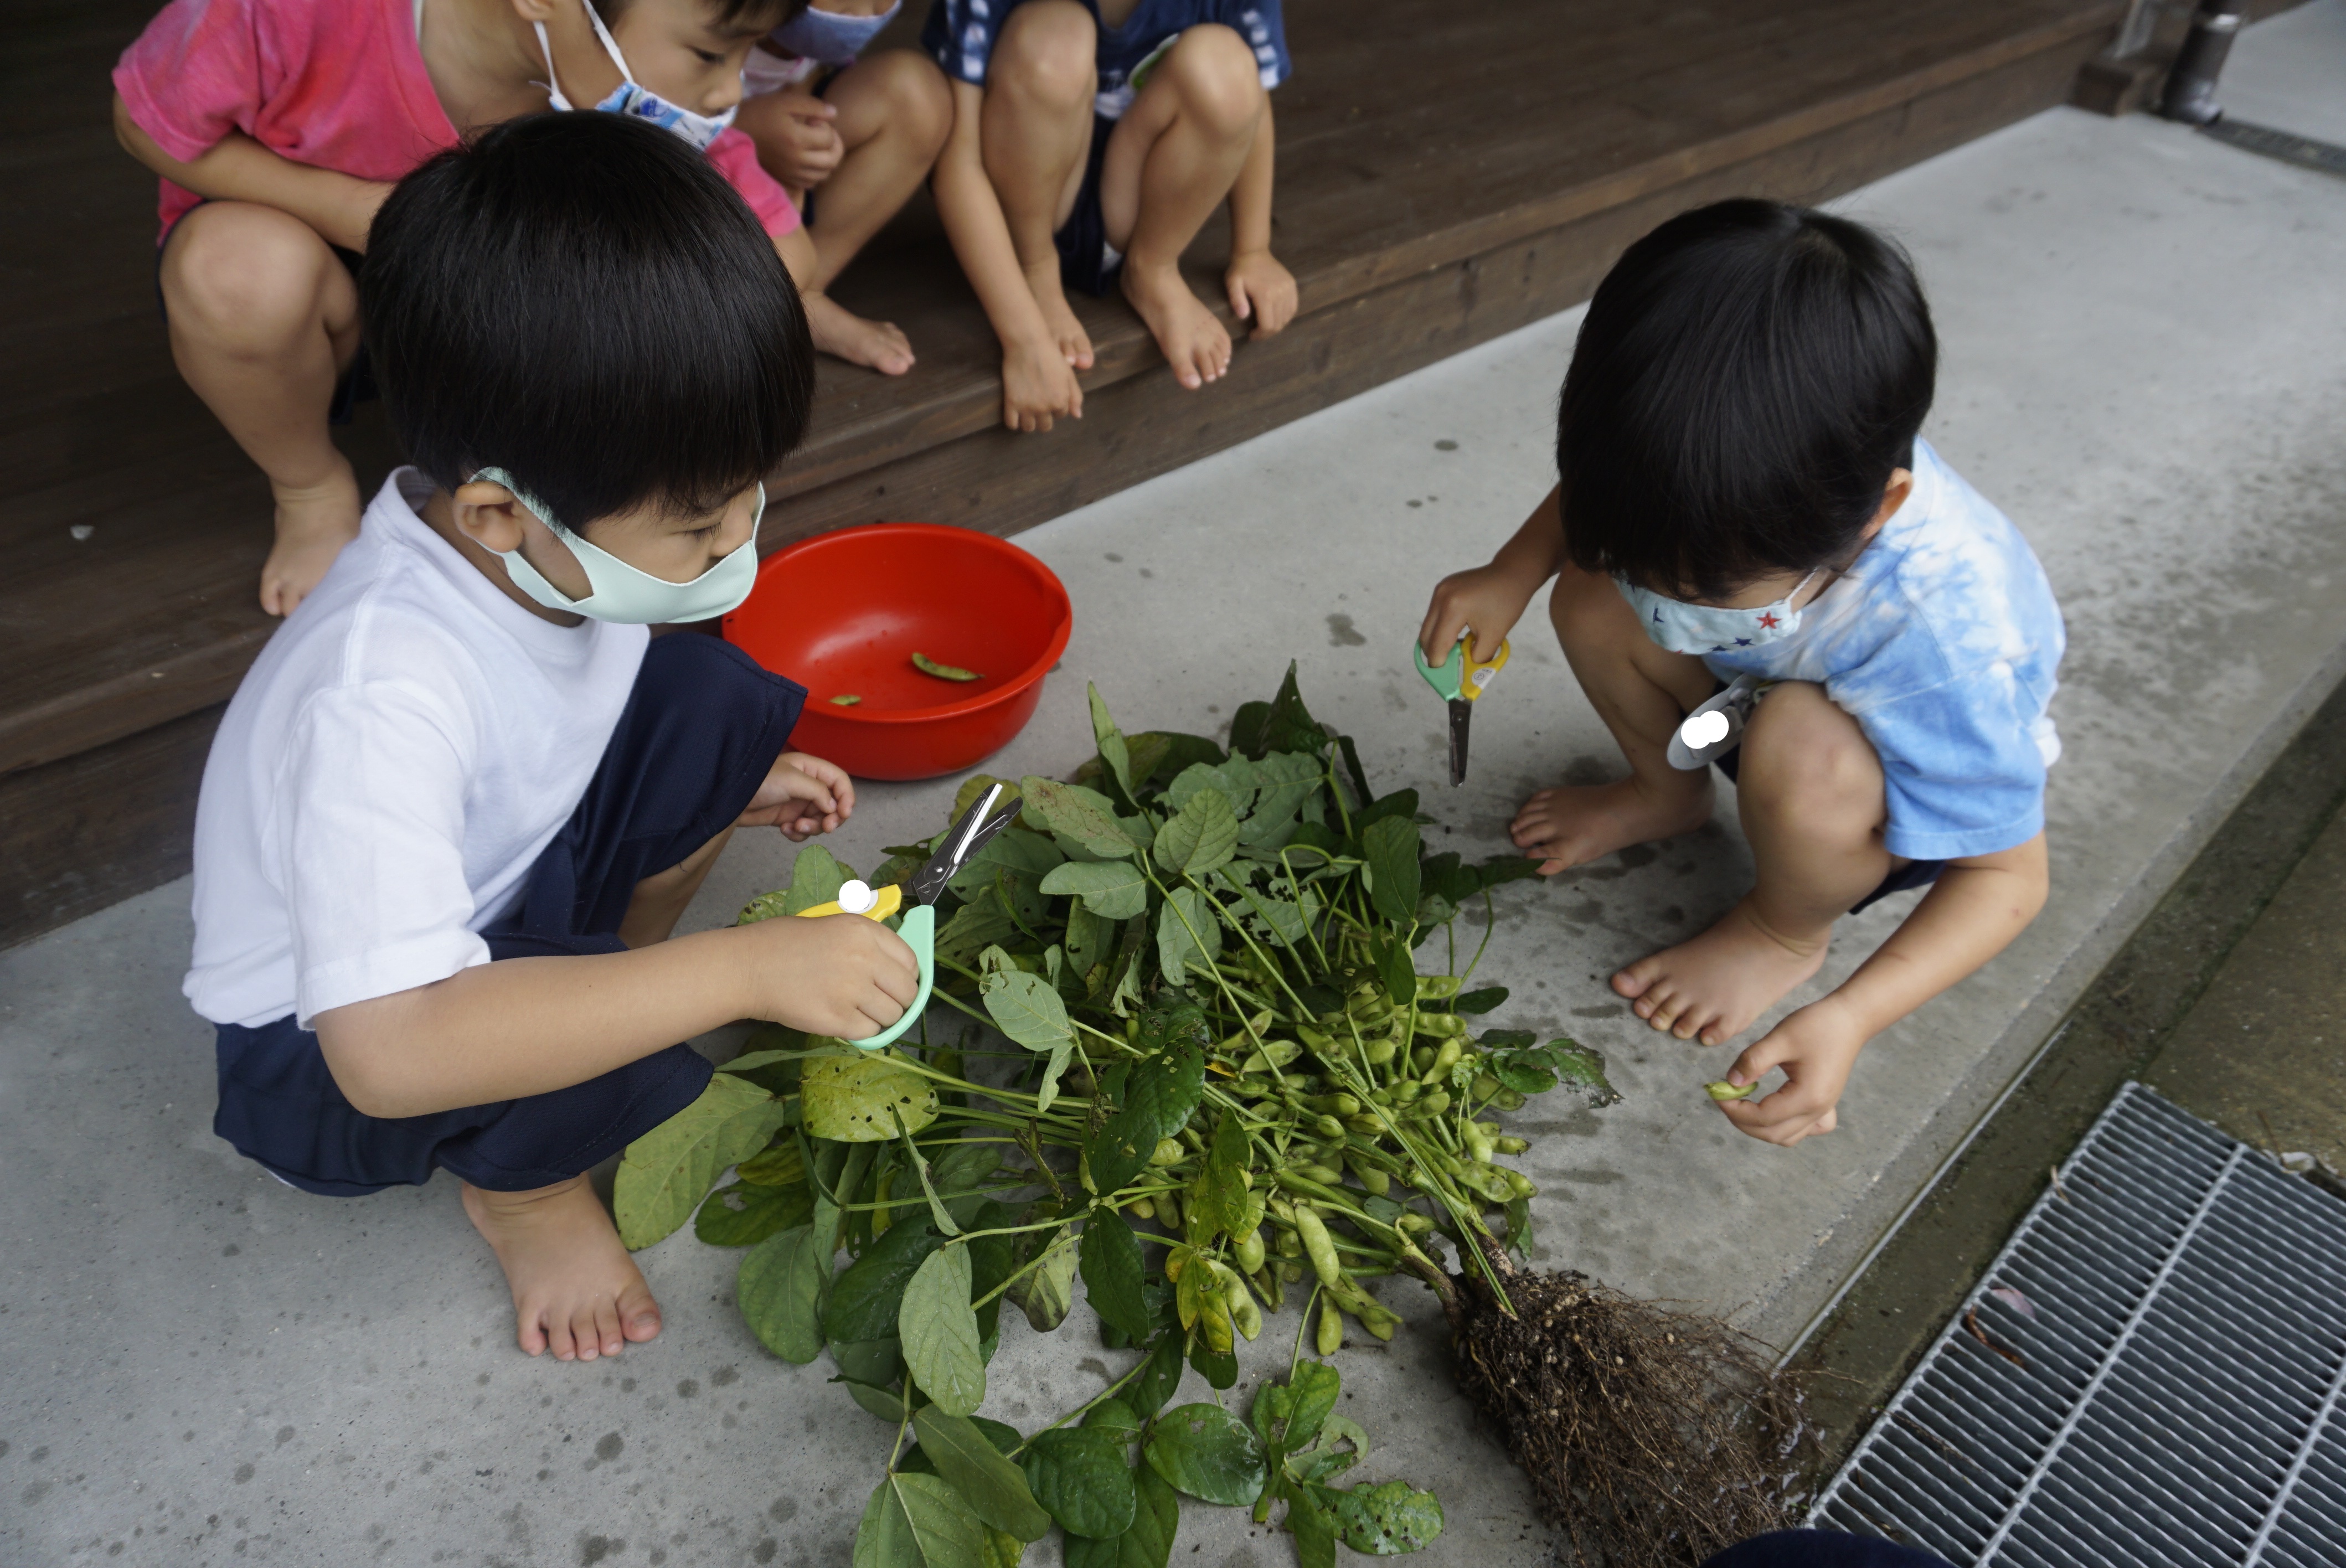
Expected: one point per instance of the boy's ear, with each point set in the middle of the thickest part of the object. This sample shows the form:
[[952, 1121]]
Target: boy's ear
[[1893, 496], [486, 513], [532, 10]]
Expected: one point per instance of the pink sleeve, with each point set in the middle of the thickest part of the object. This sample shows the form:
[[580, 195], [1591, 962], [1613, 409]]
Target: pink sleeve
[[735, 157], [193, 76]]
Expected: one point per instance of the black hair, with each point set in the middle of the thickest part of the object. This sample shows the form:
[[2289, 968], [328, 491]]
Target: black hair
[[580, 299], [1749, 376]]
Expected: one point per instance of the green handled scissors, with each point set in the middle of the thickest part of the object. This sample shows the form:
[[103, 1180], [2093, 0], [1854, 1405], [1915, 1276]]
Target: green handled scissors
[[1459, 680], [970, 833]]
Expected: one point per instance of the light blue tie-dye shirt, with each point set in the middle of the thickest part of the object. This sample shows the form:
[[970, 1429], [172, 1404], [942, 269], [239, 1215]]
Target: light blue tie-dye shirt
[[1942, 641]]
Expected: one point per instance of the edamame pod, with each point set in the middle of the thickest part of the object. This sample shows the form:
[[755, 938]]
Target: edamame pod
[[1331, 1337], [1244, 1313], [1167, 1152], [1249, 1251], [1318, 1245]]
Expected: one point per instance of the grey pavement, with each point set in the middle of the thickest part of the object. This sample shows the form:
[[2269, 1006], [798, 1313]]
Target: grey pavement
[[2143, 333]]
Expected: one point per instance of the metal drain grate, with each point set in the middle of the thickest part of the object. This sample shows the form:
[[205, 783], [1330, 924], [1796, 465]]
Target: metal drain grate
[[2152, 1372]]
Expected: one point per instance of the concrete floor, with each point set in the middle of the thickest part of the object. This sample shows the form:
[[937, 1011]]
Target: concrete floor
[[2142, 333]]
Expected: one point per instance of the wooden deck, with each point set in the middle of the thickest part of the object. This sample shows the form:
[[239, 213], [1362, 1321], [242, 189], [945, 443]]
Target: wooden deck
[[1446, 174]]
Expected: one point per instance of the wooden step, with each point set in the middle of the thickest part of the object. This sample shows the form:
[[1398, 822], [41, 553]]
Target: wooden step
[[1446, 174]]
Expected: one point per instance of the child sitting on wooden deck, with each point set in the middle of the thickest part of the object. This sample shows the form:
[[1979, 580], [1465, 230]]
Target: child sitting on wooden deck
[[1743, 493], [1093, 140], [860, 133], [278, 126], [460, 801]]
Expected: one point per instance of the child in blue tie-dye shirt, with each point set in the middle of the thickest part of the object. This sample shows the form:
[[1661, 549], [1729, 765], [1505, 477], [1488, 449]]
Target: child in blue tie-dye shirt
[[1744, 496]]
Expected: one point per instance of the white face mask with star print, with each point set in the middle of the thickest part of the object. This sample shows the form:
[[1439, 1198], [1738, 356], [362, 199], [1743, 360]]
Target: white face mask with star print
[[1688, 629]]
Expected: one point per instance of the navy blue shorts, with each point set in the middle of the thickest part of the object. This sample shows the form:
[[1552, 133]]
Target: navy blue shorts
[[699, 735], [1902, 879], [1082, 239], [1821, 1549]]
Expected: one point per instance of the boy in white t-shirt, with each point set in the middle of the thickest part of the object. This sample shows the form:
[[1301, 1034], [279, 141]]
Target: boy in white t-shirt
[[465, 747]]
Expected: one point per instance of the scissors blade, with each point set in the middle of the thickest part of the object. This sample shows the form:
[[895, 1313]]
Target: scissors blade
[[1462, 716], [971, 831]]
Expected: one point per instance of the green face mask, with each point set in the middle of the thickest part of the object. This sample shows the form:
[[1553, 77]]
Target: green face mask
[[627, 595]]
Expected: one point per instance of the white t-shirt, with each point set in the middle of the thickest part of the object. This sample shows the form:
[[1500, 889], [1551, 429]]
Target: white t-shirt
[[393, 764]]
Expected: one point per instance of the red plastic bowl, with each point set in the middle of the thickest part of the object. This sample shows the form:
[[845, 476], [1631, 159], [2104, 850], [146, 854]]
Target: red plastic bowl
[[843, 613]]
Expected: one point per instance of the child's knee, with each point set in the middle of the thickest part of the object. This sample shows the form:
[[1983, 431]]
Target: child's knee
[[1047, 52], [245, 270], [1805, 764], [920, 103], [1215, 72]]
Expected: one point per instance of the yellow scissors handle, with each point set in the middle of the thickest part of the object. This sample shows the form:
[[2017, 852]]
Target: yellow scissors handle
[[885, 901], [1476, 674]]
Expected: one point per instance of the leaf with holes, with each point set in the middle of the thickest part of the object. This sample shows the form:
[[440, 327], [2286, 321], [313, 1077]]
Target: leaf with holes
[[858, 1099], [1386, 1520], [1086, 816], [1026, 1008], [1200, 837]]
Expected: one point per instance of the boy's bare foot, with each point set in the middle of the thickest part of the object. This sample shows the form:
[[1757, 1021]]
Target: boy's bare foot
[[312, 523], [1058, 316], [1715, 985], [1574, 824], [841, 334], [1194, 342], [574, 1289]]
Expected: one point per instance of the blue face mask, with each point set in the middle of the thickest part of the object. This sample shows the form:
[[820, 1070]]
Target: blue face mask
[[1688, 629], [625, 595], [829, 38], [630, 99]]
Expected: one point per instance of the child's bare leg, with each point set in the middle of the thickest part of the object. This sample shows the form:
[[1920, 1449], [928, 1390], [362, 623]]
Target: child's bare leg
[[1037, 131], [576, 1290], [894, 110], [1642, 693], [659, 901], [263, 317], [1809, 787], [1172, 160]]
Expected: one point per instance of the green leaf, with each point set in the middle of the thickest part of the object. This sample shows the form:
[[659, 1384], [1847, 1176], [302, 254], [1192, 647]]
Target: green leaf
[[1199, 837], [1396, 967], [668, 1169], [1048, 1090], [1385, 1520], [780, 1165], [876, 1362], [1169, 751], [1045, 1293], [1390, 848], [865, 1298], [974, 1464], [780, 1291], [858, 1099], [973, 928], [918, 1521], [1158, 1099], [1234, 777], [1159, 1377], [815, 878], [1310, 1523], [1399, 803], [1079, 1476], [1209, 1453], [890, 1404], [1110, 741], [1188, 919], [1582, 1068], [1003, 1550], [1113, 1273], [1026, 1008], [1112, 890], [743, 1214], [1285, 779], [1149, 1544], [1287, 1416], [1288, 921], [1219, 1199], [1086, 816], [1246, 729], [1116, 1415], [1287, 726], [1501, 869], [1524, 1077], [939, 1329], [1479, 1002]]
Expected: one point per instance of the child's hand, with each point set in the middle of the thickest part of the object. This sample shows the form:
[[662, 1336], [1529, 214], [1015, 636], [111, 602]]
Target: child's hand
[[805, 148], [1261, 291], [1815, 1047], [802, 796], [841, 975], [1491, 599], [1037, 386]]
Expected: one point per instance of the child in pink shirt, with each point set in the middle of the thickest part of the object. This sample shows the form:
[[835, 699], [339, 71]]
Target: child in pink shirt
[[279, 126]]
